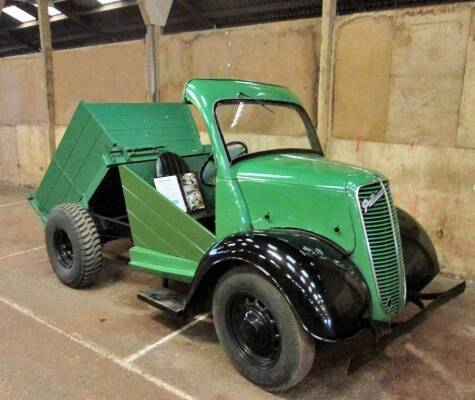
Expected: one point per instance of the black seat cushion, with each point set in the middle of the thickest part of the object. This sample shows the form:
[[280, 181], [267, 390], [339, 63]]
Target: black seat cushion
[[171, 164]]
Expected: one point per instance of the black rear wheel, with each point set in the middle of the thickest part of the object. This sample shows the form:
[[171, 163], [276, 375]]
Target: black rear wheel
[[73, 245], [260, 332]]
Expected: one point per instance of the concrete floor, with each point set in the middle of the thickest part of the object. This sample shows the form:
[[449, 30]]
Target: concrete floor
[[103, 343]]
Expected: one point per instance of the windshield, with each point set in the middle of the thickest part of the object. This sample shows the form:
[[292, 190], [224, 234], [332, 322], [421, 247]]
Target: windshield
[[265, 125]]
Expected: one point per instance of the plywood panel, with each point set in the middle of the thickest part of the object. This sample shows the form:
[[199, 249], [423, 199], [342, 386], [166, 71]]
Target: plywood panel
[[435, 185], [427, 74], [32, 153], [111, 73], [466, 128], [363, 51], [59, 131], [22, 96], [9, 168], [283, 53]]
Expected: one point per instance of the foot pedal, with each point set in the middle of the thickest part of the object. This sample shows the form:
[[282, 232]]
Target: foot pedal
[[165, 299]]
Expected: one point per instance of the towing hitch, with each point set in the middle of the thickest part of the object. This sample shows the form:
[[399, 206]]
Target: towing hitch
[[401, 328]]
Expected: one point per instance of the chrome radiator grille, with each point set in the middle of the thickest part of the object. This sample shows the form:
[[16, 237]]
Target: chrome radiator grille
[[384, 243]]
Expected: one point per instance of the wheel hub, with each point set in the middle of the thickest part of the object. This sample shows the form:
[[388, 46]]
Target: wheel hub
[[64, 248], [254, 330]]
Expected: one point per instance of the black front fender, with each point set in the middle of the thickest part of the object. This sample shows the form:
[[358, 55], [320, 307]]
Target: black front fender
[[324, 288], [420, 258]]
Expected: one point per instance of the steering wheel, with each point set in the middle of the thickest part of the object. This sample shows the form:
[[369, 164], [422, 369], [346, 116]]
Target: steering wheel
[[235, 150]]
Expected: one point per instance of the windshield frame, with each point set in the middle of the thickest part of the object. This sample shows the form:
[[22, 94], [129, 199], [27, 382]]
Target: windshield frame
[[311, 132]]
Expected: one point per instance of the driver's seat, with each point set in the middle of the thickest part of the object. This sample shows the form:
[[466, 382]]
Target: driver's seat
[[169, 164]]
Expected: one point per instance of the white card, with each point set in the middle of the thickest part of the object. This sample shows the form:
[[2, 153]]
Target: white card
[[169, 187]]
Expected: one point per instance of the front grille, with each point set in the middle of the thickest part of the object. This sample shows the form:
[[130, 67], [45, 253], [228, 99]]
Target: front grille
[[384, 242]]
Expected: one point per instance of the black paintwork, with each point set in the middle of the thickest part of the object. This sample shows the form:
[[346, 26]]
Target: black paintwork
[[253, 330], [420, 257], [323, 286], [164, 299]]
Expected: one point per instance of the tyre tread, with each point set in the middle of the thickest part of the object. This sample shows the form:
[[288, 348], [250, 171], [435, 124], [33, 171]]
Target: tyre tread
[[89, 239]]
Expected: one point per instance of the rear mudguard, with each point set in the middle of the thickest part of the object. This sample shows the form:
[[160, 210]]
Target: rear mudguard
[[321, 284], [420, 258]]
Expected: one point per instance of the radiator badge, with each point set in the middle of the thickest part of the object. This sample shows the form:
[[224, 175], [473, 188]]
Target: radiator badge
[[367, 203]]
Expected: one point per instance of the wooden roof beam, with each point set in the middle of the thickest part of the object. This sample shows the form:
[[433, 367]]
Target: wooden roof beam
[[196, 14]]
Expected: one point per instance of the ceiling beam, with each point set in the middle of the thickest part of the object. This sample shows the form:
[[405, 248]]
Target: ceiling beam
[[261, 8], [211, 15], [73, 16], [96, 10], [358, 5], [15, 36], [21, 43], [196, 14]]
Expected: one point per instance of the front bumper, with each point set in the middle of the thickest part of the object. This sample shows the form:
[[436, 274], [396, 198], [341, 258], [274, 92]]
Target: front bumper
[[385, 333]]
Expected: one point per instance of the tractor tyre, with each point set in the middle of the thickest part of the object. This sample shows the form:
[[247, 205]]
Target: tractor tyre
[[74, 245]]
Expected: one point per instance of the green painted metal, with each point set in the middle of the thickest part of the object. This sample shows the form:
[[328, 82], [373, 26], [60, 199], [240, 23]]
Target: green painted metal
[[310, 192], [161, 228], [297, 190], [231, 210], [103, 135], [165, 265]]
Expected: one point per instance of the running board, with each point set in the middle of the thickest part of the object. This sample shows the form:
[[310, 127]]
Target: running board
[[165, 299]]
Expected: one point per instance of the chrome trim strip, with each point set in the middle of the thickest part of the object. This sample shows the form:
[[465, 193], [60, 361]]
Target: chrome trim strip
[[402, 270]]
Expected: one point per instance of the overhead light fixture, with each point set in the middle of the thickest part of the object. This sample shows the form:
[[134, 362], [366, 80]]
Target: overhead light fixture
[[18, 14], [52, 12], [107, 1]]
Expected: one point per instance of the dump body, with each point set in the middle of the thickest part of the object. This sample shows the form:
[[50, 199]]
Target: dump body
[[101, 136]]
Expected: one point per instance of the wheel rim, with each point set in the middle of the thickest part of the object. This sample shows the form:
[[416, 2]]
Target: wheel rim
[[64, 248], [253, 330]]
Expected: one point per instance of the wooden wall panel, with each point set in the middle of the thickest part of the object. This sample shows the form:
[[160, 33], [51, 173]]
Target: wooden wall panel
[[427, 76], [285, 53], [433, 184], [109, 73], [363, 53], [22, 98], [9, 165], [33, 155]]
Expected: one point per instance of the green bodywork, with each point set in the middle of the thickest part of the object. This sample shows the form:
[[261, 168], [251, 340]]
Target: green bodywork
[[308, 191]]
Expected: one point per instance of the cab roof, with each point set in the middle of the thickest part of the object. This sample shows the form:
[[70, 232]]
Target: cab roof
[[210, 91]]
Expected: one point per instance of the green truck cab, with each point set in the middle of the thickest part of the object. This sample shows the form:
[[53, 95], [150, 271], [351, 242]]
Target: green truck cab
[[289, 248]]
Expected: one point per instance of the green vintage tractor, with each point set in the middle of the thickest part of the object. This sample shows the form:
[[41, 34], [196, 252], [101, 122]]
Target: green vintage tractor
[[284, 246]]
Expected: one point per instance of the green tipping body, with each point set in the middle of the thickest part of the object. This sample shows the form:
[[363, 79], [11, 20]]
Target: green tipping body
[[101, 136]]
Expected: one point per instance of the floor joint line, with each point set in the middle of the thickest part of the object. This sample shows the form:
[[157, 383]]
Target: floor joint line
[[76, 337], [13, 203], [140, 353], [21, 252]]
